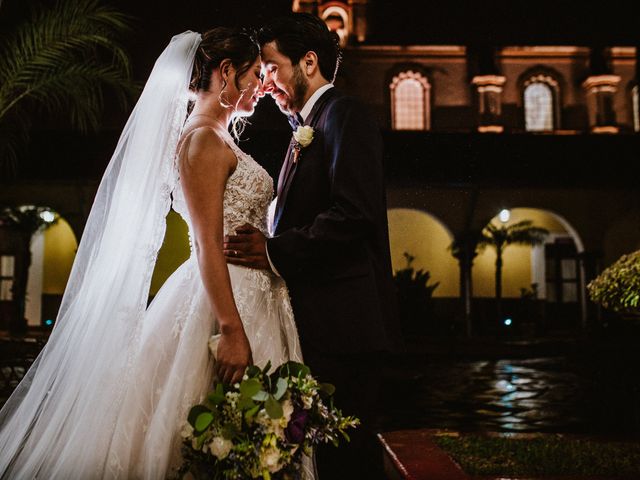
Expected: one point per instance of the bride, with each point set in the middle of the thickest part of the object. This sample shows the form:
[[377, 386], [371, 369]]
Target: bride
[[110, 391]]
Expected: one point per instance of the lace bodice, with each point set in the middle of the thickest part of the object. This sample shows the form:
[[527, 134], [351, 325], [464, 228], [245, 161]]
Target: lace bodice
[[247, 196]]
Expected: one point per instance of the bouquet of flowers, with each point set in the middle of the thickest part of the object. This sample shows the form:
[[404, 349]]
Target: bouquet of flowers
[[262, 427]]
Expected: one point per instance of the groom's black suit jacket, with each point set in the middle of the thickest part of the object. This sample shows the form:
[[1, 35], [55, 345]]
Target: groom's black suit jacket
[[331, 241]]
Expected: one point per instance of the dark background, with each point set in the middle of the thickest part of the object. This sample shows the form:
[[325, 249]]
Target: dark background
[[56, 152]]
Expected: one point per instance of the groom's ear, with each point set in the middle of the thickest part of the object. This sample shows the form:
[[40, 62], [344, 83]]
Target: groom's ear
[[310, 63]]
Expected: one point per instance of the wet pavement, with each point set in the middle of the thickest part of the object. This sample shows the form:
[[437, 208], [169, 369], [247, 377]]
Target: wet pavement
[[588, 389], [581, 394]]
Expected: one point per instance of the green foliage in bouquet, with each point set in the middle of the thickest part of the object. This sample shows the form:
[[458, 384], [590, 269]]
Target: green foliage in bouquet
[[618, 287], [262, 427]]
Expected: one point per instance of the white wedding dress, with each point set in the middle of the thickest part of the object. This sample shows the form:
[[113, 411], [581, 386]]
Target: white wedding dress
[[108, 395], [174, 368]]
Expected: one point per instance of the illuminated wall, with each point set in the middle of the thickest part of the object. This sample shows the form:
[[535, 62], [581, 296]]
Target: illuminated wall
[[174, 251], [60, 247], [424, 237], [516, 271], [52, 255]]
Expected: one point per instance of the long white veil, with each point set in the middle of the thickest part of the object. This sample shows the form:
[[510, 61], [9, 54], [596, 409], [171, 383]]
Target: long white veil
[[68, 403]]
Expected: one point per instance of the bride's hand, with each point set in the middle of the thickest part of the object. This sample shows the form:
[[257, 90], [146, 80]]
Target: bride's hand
[[233, 356]]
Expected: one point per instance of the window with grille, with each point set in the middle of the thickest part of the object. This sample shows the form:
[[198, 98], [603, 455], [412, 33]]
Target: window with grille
[[538, 107], [410, 101]]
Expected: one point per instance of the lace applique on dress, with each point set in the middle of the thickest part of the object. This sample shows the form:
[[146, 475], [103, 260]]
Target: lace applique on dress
[[247, 196]]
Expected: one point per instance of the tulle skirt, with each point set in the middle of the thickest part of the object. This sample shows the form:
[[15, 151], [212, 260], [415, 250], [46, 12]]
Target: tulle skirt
[[171, 371], [174, 367]]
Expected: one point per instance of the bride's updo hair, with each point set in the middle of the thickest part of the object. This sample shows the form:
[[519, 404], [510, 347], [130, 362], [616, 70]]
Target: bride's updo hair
[[236, 44]]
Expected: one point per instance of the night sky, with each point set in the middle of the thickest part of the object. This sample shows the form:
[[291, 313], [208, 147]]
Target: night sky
[[497, 22]]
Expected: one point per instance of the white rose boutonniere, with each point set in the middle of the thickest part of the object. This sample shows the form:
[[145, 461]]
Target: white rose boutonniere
[[303, 137]]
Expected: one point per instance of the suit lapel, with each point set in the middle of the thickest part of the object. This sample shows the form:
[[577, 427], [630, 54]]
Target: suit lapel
[[319, 105], [286, 177], [285, 167]]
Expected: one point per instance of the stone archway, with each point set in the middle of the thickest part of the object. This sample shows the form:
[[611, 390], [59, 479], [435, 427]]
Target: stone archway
[[554, 270], [52, 254]]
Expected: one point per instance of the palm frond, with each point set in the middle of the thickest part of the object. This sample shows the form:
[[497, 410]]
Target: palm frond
[[521, 233], [14, 134], [529, 236], [73, 29], [72, 89], [62, 59]]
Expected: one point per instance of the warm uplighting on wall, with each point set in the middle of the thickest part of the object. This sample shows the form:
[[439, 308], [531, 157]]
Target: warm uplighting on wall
[[605, 129], [600, 91], [489, 91], [337, 20], [490, 129], [635, 99]]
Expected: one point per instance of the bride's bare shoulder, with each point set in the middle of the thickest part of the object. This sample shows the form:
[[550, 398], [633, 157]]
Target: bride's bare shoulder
[[203, 145]]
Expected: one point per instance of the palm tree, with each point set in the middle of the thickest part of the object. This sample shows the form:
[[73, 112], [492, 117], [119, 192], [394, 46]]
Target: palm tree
[[500, 237], [60, 60]]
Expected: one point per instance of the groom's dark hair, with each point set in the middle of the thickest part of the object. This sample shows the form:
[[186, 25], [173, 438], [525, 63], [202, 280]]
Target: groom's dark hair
[[298, 33]]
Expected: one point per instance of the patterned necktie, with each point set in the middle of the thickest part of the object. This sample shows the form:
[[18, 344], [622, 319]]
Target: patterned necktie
[[295, 121]]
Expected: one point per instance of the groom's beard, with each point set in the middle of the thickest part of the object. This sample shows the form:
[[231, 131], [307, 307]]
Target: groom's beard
[[300, 87]]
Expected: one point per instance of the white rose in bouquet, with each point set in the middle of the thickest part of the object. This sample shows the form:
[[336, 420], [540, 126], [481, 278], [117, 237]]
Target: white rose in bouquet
[[220, 447]]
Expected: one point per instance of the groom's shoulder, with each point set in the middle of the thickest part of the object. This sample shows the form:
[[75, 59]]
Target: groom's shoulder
[[341, 103], [338, 97], [343, 109]]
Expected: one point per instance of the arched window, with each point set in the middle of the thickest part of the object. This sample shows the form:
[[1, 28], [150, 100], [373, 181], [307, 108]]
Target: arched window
[[410, 101], [337, 20], [635, 99], [540, 108]]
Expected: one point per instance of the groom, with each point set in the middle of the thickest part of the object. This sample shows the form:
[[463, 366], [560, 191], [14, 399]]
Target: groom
[[330, 243]]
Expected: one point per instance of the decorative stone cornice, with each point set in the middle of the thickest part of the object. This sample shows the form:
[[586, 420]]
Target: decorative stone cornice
[[602, 83], [489, 81], [490, 129], [605, 129]]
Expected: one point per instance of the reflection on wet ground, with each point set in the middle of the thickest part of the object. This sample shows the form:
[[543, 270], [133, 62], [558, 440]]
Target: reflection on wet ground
[[534, 395], [594, 389]]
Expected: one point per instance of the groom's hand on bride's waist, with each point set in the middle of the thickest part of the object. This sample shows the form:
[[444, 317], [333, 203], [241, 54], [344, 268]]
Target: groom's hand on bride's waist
[[247, 248]]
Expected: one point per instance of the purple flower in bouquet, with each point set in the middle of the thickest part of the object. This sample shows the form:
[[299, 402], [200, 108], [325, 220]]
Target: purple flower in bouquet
[[295, 430]]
